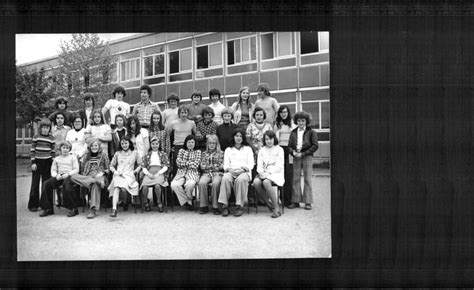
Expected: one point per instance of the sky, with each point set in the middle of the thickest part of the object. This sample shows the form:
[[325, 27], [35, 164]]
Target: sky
[[32, 47]]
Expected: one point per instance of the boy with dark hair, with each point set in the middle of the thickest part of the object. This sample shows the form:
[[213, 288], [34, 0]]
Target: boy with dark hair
[[61, 107], [195, 108], [116, 105], [145, 108], [171, 113]]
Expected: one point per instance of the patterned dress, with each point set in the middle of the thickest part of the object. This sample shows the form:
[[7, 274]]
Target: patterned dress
[[125, 162], [255, 136], [188, 162]]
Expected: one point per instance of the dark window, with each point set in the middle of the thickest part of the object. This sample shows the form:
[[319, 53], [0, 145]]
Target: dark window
[[174, 61], [230, 52], [309, 42], [202, 57], [267, 46]]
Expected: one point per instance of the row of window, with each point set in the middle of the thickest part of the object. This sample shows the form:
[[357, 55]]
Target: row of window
[[241, 56]]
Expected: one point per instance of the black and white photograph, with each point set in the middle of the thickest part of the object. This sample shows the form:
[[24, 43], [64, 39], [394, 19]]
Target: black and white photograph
[[173, 146]]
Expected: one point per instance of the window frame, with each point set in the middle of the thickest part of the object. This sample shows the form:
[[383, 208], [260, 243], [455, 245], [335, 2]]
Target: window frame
[[138, 59], [180, 59], [325, 51], [275, 46], [250, 51], [209, 56], [154, 75]]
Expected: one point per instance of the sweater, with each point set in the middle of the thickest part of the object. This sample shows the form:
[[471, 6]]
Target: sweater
[[65, 164], [42, 147]]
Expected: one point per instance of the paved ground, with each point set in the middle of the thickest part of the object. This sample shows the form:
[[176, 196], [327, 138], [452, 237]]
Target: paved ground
[[174, 235]]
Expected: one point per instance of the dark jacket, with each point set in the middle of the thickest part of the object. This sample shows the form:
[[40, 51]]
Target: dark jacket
[[310, 142], [83, 115]]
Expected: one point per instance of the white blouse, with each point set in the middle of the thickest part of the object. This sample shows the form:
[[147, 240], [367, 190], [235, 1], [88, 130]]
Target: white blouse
[[78, 141], [272, 161]]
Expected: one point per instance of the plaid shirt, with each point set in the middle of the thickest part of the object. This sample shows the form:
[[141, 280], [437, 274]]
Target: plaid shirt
[[144, 111], [202, 130], [212, 163], [188, 164]]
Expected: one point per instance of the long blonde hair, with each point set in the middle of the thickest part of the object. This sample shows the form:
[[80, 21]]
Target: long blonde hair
[[213, 137]]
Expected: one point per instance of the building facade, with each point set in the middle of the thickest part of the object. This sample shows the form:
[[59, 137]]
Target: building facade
[[294, 64]]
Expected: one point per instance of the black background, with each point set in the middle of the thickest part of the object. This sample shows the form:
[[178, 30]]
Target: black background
[[401, 80]]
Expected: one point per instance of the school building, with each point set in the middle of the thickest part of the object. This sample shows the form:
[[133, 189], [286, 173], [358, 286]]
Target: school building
[[294, 64]]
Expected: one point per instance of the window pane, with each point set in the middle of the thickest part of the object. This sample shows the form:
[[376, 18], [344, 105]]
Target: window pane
[[186, 63], [309, 42], [148, 65], [137, 68], [174, 61], [216, 54], [253, 48], [324, 40], [237, 51], [245, 49], [325, 115], [122, 71], [159, 64], [313, 109], [284, 43], [267, 46], [230, 52], [202, 61]]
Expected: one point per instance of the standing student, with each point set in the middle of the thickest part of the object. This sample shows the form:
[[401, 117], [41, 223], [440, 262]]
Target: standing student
[[85, 113], [224, 132], [302, 145], [155, 168], [42, 154], [116, 105], [216, 105], [256, 129], [171, 113], [195, 108], [145, 108], [243, 108], [95, 168], [270, 169], [124, 166], [59, 131], [212, 170], [283, 127], [63, 167], [98, 129], [179, 129], [76, 136], [187, 175], [204, 128], [61, 107], [138, 136], [238, 165], [117, 134], [268, 103], [158, 130]]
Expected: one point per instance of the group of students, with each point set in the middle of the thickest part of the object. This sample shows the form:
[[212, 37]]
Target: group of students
[[141, 151]]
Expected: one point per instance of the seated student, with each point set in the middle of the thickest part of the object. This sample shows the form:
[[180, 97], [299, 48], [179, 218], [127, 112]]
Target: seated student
[[302, 145], [224, 132], [216, 105], [117, 134], [59, 130], [179, 129], [187, 162], [98, 129], [212, 171], [145, 108], [42, 154], [270, 169], [85, 113], [268, 103], [61, 107], [238, 165], [94, 170], [77, 138], [116, 105], [138, 136], [158, 130], [124, 166], [155, 168], [64, 166], [204, 128], [195, 108], [171, 113]]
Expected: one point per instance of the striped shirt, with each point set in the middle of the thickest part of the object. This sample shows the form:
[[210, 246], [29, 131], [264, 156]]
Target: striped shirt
[[42, 147]]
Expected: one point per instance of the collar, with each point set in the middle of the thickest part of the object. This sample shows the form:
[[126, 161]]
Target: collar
[[146, 103], [299, 129], [59, 127]]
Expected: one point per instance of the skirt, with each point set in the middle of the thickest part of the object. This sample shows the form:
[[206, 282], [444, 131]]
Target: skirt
[[158, 178]]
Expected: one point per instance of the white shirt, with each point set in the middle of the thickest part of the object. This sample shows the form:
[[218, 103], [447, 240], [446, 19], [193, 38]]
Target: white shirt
[[78, 141], [217, 108], [88, 116], [169, 115], [155, 159], [299, 141], [235, 158], [142, 144], [272, 161], [116, 107]]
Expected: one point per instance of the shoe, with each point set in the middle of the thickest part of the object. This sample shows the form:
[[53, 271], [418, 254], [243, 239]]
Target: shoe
[[160, 208], [147, 207], [188, 207], [125, 206], [293, 205], [270, 207], [216, 211], [91, 214], [203, 210], [114, 213], [276, 214], [238, 211], [73, 212], [307, 206], [225, 211], [46, 212], [33, 209]]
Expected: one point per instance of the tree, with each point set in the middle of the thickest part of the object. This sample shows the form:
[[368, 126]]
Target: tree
[[86, 65], [32, 95]]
